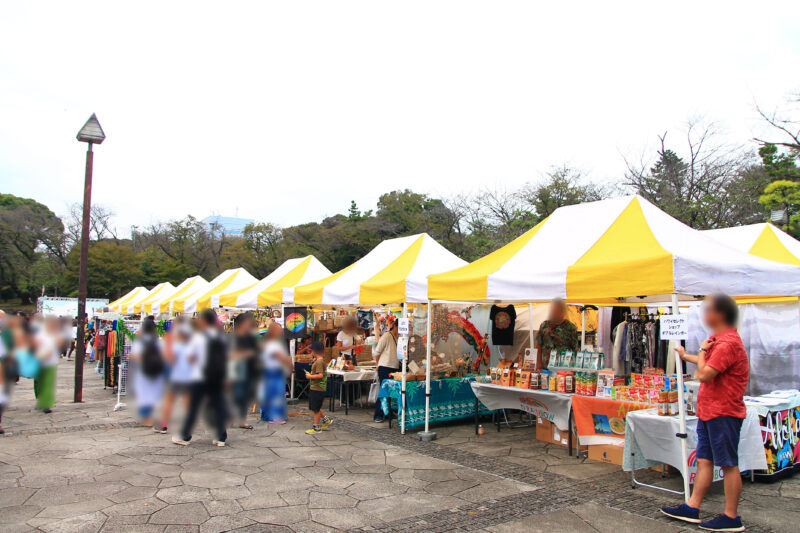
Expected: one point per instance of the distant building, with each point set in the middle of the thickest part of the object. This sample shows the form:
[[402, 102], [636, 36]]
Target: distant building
[[230, 226]]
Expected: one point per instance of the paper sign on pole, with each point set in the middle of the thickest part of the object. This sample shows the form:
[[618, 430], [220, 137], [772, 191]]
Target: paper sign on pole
[[674, 327], [403, 328], [402, 348], [530, 355]]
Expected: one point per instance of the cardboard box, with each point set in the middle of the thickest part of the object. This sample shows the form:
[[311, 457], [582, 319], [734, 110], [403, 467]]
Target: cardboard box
[[607, 453]]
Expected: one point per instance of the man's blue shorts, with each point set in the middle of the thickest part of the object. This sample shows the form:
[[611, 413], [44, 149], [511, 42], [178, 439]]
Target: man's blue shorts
[[718, 440]]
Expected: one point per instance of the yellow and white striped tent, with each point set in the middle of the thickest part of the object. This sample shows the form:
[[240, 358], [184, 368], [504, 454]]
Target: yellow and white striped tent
[[159, 292], [616, 250], [188, 286], [395, 271], [231, 279], [278, 287], [762, 240], [128, 306], [130, 295]]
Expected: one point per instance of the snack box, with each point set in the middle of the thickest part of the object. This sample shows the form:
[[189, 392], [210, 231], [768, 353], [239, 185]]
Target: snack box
[[579, 360], [524, 380], [508, 378], [569, 359]]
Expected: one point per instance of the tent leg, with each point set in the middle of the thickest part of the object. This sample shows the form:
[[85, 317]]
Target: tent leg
[[530, 329], [428, 435], [403, 385], [681, 410], [583, 328]]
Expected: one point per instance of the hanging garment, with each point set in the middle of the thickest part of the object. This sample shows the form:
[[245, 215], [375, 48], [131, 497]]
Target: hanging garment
[[637, 352], [620, 340], [503, 321]]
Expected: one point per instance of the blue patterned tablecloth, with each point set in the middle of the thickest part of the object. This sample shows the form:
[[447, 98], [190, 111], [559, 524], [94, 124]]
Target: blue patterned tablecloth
[[451, 399]]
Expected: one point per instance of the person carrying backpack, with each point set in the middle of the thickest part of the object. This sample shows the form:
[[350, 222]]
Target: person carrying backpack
[[208, 354], [148, 353]]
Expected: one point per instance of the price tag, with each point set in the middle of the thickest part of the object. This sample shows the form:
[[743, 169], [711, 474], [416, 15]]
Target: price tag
[[674, 327], [403, 327]]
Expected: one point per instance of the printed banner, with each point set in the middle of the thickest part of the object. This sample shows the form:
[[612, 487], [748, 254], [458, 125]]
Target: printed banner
[[296, 323], [601, 421], [780, 432]]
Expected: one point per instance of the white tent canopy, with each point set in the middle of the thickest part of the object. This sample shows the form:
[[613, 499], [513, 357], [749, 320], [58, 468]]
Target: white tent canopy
[[395, 271], [160, 304], [278, 287], [621, 249], [763, 240], [231, 279]]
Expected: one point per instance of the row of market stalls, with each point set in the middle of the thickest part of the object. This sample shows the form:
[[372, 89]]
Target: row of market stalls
[[617, 252]]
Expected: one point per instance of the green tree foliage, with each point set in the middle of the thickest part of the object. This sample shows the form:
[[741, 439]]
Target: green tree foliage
[[113, 270], [31, 248], [784, 195], [711, 186]]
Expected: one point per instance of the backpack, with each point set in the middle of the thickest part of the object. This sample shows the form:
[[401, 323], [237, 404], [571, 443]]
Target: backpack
[[152, 363], [216, 360]]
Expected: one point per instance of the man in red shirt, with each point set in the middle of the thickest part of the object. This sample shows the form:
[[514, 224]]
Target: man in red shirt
[[723, 371]]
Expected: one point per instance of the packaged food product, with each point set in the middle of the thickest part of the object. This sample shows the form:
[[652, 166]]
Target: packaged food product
[[673, 402], [553, 358], [579, 357], [663, 403], [544, 380], [553, 383], [569, 358], [569, 382]]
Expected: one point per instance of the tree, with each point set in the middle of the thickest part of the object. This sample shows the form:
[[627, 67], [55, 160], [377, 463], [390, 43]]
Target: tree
[[113, 270], [100, 224], [784, 195], [29, 233], [263, 241], [563, 186], [700, 189], [785, 125]]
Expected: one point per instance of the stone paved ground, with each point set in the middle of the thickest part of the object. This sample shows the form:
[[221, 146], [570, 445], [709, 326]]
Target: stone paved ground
[[88, 468]]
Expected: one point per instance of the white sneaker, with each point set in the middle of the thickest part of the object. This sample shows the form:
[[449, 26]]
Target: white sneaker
[[219, 443], [179, 441]]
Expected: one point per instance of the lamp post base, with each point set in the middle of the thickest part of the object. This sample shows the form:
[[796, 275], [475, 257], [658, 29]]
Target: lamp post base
[[426, 436]]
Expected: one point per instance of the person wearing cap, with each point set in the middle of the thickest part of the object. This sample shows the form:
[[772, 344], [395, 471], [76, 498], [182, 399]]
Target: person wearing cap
[[317, 378], [385, 355]]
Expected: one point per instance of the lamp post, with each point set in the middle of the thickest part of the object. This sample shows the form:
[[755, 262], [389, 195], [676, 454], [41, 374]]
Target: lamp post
[[90, 133]]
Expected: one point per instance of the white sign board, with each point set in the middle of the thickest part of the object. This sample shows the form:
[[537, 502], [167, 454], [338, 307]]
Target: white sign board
[[68, 307], [531, 355], [403, 328], [674, 327]]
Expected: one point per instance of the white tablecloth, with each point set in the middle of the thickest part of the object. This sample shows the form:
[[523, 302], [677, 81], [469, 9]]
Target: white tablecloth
[[552, 406], [354, 375], [651, 438]]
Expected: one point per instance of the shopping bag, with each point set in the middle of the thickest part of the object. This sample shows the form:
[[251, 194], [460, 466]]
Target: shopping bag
[[28, 364], [374, 389]]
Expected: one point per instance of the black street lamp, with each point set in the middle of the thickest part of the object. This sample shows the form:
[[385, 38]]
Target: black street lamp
[[90, 133]]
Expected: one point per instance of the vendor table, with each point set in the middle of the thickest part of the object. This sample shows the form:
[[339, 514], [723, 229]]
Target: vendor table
[[451, 399], [779, 417], [601, 420], [346, 382], [551, 406], [651, 439]]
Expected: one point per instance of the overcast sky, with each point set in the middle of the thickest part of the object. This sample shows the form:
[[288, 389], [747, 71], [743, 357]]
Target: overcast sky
[[286, 111]]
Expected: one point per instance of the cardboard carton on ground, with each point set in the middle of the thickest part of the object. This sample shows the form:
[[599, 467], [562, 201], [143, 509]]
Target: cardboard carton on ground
[[607, 453]]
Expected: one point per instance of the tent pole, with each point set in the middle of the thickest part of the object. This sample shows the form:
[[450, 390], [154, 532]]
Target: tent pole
[[583, 328], [530, 330], [428, 435], [681, 409], [403, 385]]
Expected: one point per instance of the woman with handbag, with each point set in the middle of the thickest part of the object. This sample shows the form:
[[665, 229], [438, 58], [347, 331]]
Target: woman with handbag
[[385, 355]]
